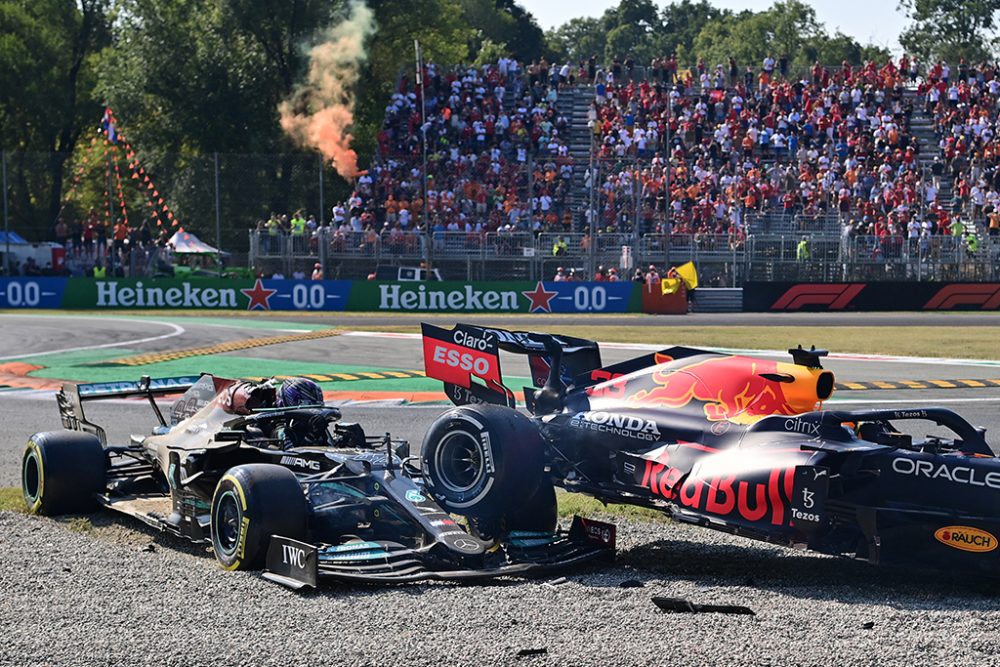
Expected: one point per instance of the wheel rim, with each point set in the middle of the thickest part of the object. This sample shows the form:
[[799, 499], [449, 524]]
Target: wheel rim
[[228, 522], [31, 482], [459, 462]]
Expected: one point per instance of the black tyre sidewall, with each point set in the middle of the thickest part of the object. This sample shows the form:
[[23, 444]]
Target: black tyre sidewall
[[511, 448], [71, 468], [270, 502]]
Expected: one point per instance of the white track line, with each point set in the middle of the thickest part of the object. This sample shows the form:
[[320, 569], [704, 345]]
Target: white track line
[[646, 347], [177, 330], [219, 325]]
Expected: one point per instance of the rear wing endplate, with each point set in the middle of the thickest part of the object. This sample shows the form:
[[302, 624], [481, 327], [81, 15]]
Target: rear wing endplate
[[468, 352], [73, 395]]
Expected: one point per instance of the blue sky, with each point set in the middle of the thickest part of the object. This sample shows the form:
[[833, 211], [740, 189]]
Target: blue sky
[[877, 21]]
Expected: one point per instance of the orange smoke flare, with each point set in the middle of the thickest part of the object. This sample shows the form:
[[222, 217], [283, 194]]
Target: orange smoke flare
[[320, 112]]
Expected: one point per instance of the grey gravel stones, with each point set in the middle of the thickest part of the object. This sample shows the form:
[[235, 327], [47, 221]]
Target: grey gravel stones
[[99, 598]]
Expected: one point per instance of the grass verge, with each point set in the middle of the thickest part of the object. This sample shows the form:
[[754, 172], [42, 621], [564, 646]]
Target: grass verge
[[577, 503], [967, 342], [80, 524], [932, 341], [11, 499], [569, 504]]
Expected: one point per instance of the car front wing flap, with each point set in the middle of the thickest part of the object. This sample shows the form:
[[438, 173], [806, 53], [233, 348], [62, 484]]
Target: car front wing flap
[[299, 564]]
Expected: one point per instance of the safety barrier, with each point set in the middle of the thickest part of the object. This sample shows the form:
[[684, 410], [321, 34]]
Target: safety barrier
[[334, 295]]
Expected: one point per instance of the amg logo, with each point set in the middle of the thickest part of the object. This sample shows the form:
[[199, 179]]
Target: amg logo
[[299, 462], [294, 556], [606, 422]]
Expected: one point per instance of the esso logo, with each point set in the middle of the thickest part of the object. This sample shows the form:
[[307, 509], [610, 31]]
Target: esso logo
[[467, 340], [461, 360]]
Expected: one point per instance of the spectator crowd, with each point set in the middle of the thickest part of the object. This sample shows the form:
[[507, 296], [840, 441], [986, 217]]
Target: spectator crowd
[[706, 152], [702, 151]]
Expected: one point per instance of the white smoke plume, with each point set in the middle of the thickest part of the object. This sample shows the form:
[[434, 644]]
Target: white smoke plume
[[320, 112]]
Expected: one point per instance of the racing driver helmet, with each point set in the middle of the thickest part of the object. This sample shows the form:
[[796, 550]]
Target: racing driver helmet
[[299, 391]]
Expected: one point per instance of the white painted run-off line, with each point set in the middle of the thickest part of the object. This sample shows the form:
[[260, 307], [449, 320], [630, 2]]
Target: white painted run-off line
[[176, 330]]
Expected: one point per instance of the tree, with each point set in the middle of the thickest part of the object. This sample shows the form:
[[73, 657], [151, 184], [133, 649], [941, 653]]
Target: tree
[[444, 38], [578, 39], [793, 25], [192, 77], [681, 22], [950, 29], [830, 50], [527, 41], [630, 27], [46, 96], [626, 41], [640, 13], [788, 28], [505, 25]]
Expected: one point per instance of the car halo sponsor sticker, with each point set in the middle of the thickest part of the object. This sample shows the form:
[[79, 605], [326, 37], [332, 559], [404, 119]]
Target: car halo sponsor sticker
[[966, 538]]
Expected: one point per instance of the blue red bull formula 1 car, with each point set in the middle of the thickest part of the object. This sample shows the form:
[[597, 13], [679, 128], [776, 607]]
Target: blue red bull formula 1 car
[[724, 441]]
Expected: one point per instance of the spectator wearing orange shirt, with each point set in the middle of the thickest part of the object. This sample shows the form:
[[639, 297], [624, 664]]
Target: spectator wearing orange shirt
[[120, 233]]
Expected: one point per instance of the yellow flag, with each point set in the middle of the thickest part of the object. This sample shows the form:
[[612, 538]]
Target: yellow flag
[[671, 285], [688, 274]]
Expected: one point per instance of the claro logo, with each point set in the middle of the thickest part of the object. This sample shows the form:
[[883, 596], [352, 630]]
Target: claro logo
[[966, 538]]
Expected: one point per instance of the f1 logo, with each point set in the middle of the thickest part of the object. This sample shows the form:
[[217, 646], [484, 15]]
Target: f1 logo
[[984, 295], [835, 296], [294, 556]]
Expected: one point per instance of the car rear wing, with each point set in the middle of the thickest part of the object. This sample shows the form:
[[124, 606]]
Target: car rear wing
[[73, 395], [459, 355]]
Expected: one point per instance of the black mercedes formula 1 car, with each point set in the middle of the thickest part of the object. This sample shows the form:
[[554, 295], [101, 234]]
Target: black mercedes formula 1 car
[[291, 488], [724, 441]]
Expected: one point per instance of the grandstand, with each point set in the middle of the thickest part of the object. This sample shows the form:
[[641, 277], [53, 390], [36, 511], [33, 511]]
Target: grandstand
[[526, 174], [872, 172]]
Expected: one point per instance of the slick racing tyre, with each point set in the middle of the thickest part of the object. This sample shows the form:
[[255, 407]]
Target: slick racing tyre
[[483, 461], [251, 503], [61, 471]]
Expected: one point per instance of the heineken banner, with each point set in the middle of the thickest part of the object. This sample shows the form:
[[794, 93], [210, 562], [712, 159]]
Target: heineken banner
[[329, 295]]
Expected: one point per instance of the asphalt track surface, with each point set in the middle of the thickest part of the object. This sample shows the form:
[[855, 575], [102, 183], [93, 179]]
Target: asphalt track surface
[[811, 610], [52, 336]]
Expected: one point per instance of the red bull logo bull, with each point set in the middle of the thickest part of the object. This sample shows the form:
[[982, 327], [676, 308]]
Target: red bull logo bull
[[732, 388], [761, 497]]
